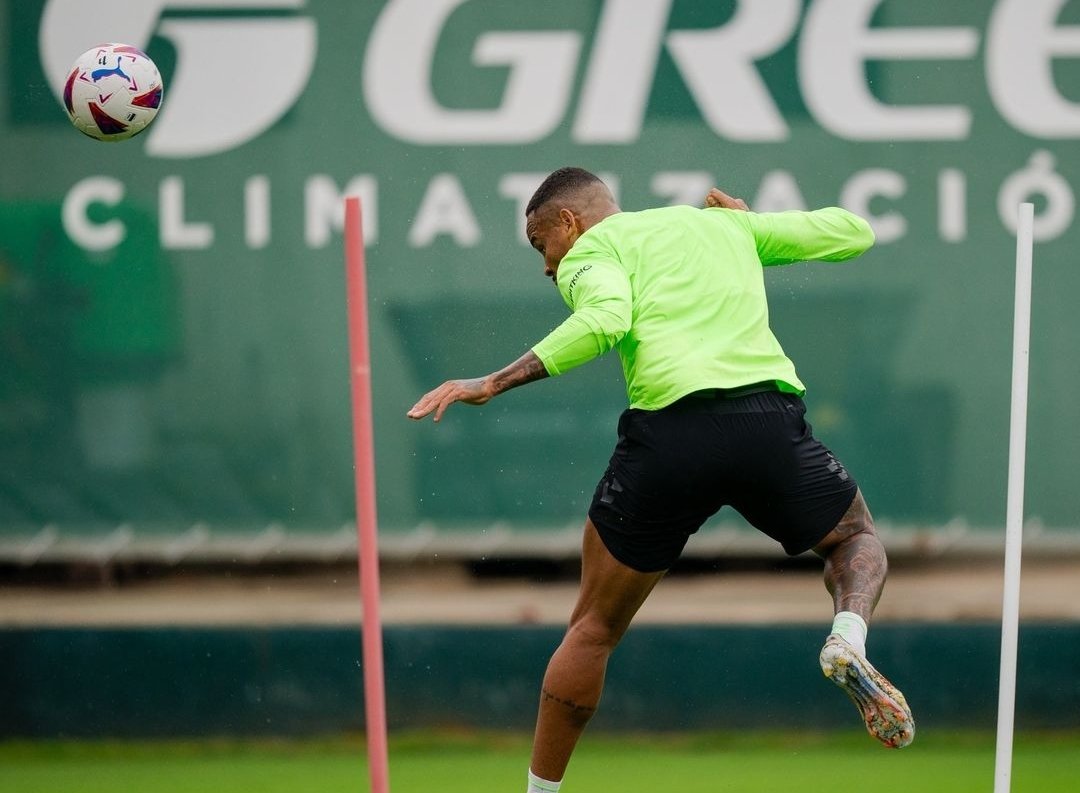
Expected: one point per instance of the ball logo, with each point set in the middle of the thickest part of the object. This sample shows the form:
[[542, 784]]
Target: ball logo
[[271, 56], [101, 74]]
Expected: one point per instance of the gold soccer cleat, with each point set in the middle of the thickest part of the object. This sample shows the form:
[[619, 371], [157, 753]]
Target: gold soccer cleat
[[882, 706]]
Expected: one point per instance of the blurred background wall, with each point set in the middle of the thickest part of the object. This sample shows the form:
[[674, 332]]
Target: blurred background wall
[[172, 324]]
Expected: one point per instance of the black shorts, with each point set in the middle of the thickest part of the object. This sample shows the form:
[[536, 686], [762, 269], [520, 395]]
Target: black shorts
[[674, 468]]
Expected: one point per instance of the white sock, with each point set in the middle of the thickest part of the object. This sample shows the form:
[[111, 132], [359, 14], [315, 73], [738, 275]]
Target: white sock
[[852, 629], [538, 785]]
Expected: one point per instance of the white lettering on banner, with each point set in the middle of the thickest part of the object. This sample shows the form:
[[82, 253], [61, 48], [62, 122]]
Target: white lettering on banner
[[836, 44], [682, 187], [1038, 178], [176, 233], [80, 229], [627, 47], [444, 210], [257, 212], [718, 66], [863, 187], [324, 208], [198, 118], [778, 191], [398, 70], [1020, 42], [620, 72], [952, 205]]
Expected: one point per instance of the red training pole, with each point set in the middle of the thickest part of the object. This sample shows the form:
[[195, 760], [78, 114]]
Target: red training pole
[[367, 533]]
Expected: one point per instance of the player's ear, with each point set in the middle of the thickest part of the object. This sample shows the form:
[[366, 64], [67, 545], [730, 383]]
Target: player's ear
[[568, 220]]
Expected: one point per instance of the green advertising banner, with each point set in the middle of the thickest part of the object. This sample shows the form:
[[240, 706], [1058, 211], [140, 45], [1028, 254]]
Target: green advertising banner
[[172, 317]]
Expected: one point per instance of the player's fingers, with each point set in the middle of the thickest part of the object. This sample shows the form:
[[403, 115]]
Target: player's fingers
[[418, 411], [426, 403], [718, 198], [444, 403]]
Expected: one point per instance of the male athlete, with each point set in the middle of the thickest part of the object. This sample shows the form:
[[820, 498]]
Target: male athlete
[[715, 417]]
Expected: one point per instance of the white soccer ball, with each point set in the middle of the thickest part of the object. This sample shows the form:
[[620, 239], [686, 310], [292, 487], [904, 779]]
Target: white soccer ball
[[113, 91]]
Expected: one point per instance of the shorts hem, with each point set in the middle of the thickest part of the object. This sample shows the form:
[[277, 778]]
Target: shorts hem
[[803, 547], [614, 542]]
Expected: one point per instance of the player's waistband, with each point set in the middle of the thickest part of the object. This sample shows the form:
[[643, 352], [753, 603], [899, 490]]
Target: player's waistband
[[763, 387], [764, 397]]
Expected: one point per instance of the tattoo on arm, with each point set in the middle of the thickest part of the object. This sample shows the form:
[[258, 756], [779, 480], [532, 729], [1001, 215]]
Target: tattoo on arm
[[525, 369]]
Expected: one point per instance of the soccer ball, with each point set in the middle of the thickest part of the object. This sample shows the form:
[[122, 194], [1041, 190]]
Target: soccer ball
[[112, 92]]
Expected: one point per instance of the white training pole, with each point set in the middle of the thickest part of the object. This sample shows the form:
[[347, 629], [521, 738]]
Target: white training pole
[[1014, 511]]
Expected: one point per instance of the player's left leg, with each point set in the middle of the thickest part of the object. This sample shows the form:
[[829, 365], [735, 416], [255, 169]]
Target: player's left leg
[[855, 568], [855, 561], [610, 595]]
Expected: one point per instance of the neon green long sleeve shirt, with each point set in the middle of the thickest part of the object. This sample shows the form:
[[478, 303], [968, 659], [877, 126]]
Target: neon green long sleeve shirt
[[679, 292]]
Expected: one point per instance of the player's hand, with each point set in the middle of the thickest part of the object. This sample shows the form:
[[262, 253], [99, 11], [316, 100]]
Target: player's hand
[[718, 198], [475, 391]]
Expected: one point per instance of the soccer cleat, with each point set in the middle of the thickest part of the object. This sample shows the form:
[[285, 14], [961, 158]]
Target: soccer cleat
[[882, 706]]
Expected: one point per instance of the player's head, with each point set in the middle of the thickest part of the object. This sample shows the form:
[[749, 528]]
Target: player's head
[[565, 205]]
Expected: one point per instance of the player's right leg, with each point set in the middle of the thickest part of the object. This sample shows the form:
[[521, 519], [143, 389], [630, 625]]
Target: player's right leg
[[611, 593]]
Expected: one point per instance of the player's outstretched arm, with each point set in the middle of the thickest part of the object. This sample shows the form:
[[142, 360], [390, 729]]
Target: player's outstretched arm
[[478, 390]]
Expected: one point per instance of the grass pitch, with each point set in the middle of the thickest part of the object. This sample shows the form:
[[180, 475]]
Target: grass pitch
[[451, 763]]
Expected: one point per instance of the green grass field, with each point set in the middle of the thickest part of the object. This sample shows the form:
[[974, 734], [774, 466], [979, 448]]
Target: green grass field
[[451, 763]]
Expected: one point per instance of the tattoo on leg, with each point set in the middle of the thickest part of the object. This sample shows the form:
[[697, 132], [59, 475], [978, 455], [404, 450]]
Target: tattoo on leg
[[855, 574], [581, 710], [856, 566]]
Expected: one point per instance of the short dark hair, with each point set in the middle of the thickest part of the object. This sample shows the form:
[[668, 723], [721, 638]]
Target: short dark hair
[[558, 184]]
